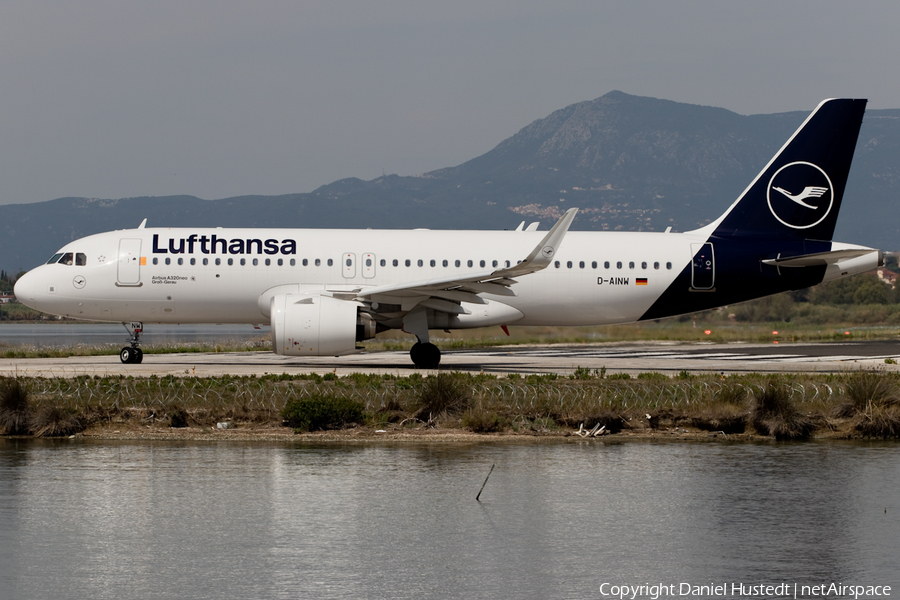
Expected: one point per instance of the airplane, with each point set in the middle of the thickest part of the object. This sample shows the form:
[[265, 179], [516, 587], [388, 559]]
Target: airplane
[[322, 291]]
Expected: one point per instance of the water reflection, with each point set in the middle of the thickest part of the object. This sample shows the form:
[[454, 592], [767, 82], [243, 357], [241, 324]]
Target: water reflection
[[204, 520]]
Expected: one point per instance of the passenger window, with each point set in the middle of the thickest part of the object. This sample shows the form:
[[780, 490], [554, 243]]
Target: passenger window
[[318, 262], [218, 261], [330, 262], [556, 264], [268, 261], [668, 265], [155, 261], [606, 264], [408, 263], [481, 263], [395, 263], [382, 262], [180, 261], [594, 264], [643, 265], [456, 263], [230, 262], [469, 262], [54, 259], [193, 261], [507, 264], [445, 263], [581, 264], [494, 264], [368, 262], [205, 261], [569, 264], [618, 264], [243, 261], [80, 259], [350, 262], [631, 264], [168, 261], [294, 262], [281, 262], [256, 261], [419, 262], [656, 265], [433, 263]]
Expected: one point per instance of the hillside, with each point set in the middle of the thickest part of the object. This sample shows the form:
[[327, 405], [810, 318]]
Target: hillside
[[628, 162]]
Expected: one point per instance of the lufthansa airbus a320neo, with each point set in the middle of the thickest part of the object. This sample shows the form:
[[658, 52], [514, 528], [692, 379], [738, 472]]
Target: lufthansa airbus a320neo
[[322, 291]]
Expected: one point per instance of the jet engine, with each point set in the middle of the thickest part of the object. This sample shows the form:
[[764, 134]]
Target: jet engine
[[314, 325]]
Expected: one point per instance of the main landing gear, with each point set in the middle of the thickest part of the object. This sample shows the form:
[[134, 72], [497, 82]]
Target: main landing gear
[[133, 354], [425, 355]]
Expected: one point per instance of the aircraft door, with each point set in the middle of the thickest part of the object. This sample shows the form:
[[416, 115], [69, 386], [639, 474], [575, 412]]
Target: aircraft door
[[368, 265], [703, 267], [129, 262], [349, 265]]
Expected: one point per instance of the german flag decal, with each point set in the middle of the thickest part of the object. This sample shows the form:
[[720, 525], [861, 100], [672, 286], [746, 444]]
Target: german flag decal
[[640, 281]]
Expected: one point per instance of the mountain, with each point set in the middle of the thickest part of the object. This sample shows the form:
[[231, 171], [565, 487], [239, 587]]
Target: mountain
[[628, 162]]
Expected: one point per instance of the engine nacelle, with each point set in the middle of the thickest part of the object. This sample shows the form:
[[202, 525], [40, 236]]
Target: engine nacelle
[[313, 325]]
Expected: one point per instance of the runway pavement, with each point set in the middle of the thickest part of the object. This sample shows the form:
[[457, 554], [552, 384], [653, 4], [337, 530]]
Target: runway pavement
[[664, 357]]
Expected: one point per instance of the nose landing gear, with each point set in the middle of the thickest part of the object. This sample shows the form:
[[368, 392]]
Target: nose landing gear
[[133, 354]]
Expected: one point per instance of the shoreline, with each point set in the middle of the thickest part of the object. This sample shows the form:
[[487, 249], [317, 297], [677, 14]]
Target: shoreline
[[839, 431]]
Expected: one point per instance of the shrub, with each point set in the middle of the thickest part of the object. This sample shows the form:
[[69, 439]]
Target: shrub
[[443, 393], [653, 377], [178, 417], [483, 421], [774, 414], [14, 411], [53, 421], [322, 412], [582, 373], [864, 390], [879, 421]]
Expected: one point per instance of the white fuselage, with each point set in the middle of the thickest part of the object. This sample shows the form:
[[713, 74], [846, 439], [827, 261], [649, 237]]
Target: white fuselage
[[597, 279]]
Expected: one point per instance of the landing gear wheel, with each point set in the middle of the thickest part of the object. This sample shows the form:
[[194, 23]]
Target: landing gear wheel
[[127, 355], [133, 355], [425, 356]]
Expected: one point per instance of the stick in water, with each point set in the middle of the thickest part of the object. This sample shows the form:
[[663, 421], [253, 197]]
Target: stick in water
[[484, 484]]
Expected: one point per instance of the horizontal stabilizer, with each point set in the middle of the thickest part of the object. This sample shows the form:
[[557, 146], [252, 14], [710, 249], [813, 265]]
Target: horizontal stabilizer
[[819, 259]]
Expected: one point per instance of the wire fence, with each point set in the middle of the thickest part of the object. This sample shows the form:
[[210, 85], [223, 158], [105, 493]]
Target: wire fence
[[271, 394]]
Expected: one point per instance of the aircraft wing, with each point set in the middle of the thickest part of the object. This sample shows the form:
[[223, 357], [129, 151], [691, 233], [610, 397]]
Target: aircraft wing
[[445, 293]]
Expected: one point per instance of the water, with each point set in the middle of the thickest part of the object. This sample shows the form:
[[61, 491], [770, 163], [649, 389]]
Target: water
[[44, 335], [85, 519]]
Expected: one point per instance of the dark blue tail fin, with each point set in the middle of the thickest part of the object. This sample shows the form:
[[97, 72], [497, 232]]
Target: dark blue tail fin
[[798, 194]]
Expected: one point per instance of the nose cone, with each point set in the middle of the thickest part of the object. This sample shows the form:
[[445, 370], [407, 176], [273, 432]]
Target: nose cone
[[26, 289]]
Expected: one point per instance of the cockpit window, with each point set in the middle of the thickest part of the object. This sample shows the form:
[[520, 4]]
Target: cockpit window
[[69, 258]]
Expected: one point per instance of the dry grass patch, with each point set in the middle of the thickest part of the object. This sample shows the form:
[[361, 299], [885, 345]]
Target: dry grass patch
[[14, 409], [774, 414]]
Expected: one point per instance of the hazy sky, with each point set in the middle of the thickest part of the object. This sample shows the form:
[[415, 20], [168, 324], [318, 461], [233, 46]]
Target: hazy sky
[[220, 98]]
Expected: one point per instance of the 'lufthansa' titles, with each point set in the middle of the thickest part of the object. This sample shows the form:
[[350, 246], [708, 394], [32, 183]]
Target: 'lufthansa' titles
[[216, 245]]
